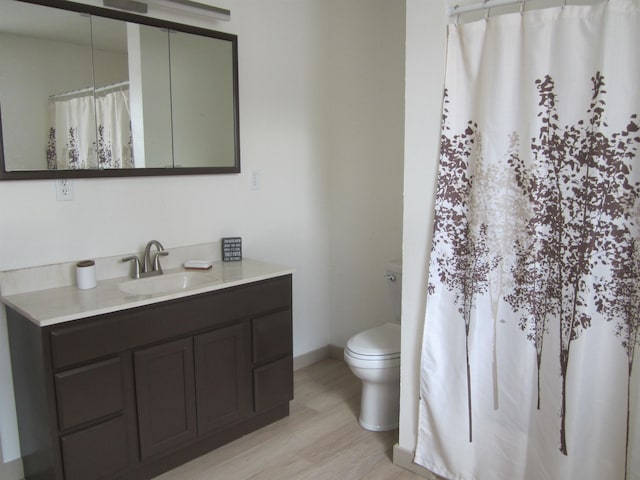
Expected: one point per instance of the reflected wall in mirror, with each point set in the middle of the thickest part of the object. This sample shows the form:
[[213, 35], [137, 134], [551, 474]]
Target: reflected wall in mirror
[[102, 93], [201, 99], [151, 95]]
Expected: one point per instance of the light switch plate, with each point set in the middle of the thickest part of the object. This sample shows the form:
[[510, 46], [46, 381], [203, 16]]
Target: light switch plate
[[255, 180]]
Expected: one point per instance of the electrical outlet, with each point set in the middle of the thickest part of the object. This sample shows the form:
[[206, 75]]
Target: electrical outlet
[[64, 190]]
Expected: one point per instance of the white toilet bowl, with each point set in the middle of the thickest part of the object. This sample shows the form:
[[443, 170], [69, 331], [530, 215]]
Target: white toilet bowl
[[374, 357]]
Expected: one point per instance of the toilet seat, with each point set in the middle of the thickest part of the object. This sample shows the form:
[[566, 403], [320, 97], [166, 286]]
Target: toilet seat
[[379, 342], [360, 356], [373, 362], [377, 347]]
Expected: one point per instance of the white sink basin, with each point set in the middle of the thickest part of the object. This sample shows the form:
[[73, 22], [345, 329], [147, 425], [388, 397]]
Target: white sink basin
[[168, 283]]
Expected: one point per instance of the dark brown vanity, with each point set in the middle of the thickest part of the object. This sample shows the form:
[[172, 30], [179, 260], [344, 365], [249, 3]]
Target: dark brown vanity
[[133, 393]]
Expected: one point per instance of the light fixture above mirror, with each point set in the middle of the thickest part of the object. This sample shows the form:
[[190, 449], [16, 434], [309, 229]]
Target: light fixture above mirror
[[187, 6]]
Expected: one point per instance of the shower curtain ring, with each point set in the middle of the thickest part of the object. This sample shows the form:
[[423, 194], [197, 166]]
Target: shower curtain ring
[[487, 11], [522, 7], [455, 12]]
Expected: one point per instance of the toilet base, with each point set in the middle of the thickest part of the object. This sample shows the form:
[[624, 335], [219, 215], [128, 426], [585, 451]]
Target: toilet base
[[380, 406]]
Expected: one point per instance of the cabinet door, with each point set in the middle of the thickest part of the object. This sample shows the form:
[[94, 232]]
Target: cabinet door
[[223, 381], [165, 391]]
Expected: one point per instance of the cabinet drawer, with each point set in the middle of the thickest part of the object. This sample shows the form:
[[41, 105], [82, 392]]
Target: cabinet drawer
[[97, 452], [117, 332], [271, 336], [90, 392], [273, 384]]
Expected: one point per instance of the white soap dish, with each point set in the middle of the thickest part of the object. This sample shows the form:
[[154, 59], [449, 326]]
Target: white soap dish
[[197, 264]]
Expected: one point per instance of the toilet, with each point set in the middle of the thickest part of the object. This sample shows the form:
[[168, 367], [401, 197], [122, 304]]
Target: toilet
[[373, 356]]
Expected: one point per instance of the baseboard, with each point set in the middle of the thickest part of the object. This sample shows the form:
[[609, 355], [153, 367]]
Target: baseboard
[[404, 458], [336, 352], [315, 356], [12, 470], [309, 358]]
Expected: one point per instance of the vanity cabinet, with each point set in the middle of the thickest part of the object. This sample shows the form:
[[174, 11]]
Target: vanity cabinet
[[131, 394]]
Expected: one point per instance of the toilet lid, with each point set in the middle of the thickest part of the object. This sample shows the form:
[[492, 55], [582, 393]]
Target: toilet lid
[[382, 340]]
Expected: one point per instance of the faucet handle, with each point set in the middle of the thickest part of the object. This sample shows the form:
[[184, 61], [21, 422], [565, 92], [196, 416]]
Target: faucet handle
[[136, 265], [156, 260]]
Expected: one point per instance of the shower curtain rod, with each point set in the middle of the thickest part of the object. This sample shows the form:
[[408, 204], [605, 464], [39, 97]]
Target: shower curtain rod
[[90, 90], [486, 5]]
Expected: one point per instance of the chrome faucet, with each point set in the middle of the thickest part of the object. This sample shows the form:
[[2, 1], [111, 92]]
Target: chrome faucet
[[149, 267]]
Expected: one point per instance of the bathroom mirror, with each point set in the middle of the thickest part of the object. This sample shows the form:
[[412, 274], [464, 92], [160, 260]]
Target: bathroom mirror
[[92, 92]]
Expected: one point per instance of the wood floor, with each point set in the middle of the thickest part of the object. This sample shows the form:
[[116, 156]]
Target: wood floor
[[321, 439]]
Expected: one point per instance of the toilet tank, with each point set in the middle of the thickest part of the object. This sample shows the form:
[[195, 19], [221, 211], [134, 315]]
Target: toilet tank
[[393, 276]]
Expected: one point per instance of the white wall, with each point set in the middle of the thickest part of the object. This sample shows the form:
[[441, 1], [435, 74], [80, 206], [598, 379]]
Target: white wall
[[426, 20], [366, 105], [321, 120]]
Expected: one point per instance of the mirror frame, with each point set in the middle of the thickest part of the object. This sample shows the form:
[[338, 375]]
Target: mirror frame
[[134, 172]]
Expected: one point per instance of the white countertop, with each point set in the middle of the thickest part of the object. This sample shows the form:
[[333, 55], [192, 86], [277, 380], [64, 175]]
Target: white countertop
[[63, 304]]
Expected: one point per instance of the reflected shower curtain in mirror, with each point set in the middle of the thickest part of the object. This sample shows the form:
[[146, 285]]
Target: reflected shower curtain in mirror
[[88, 131], [532, 323]]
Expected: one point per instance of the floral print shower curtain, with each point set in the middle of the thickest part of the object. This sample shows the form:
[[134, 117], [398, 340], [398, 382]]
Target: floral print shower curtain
[[90, 131], [533, 311]]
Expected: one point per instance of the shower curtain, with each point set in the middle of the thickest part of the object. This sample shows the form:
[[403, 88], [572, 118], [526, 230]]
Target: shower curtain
[[88, 130], [533, 309]]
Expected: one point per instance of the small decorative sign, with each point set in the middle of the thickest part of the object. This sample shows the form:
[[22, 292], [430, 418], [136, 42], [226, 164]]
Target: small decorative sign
[[231, 249]]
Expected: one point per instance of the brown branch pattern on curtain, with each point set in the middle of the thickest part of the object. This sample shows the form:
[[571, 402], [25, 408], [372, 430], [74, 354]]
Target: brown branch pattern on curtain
[[104, 151], [573, 241]]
